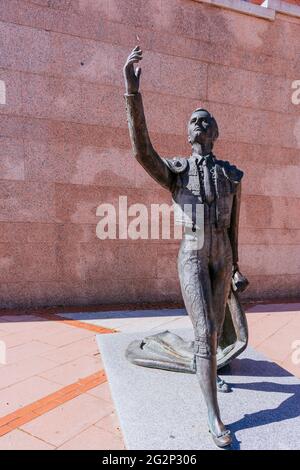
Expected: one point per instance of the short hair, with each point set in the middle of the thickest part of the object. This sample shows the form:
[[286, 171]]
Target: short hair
[[213, 121]]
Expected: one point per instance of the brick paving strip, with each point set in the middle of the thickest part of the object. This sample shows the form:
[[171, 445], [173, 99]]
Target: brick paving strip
[[76, 323], [29, 412]]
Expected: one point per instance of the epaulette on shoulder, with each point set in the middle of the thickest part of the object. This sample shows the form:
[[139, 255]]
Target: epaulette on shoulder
[[231, 171], [176, 164]]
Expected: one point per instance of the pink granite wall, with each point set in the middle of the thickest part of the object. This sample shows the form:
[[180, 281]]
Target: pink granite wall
[[65, 147]]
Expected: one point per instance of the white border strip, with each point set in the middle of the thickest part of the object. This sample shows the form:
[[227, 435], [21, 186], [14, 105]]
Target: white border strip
[[2, 94], [266, 10], [243, 7], [282, 7]]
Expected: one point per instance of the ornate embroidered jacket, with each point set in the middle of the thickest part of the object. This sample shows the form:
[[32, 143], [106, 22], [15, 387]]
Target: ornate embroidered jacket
[[182, 176]]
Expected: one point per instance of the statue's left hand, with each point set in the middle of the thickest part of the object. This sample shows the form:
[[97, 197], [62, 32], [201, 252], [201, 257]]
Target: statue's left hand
[[239, 281]]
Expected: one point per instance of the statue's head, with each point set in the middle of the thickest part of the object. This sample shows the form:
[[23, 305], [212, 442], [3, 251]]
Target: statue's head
[[202, 127]]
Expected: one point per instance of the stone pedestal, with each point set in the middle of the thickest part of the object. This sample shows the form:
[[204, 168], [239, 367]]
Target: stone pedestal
[[160, 410]]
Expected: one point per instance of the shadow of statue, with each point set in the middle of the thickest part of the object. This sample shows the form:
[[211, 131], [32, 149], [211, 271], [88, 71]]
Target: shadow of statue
[[254, 368], [288, 409]]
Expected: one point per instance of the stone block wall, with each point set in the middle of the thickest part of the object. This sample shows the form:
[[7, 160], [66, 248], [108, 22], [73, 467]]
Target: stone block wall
[[65, 148]]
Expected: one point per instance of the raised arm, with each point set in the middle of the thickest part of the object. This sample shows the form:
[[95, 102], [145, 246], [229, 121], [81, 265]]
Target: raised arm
[[140, 140]]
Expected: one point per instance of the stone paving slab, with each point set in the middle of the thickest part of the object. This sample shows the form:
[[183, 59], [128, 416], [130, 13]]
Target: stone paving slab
[[114, 314], [131, 321], [164, 410]]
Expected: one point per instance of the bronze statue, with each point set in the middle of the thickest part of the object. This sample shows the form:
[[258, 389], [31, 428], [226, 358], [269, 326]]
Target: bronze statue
[[208, 256]]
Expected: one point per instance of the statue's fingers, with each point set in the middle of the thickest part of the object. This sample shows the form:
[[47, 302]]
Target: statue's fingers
[[136, 51], [134, 59], [136, 54], [133, 54]]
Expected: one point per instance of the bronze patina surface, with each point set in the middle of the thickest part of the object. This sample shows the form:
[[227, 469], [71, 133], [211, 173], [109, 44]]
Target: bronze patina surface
[[208, 256]]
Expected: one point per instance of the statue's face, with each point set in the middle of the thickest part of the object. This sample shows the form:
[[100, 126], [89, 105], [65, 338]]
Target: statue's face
[[202, 128]]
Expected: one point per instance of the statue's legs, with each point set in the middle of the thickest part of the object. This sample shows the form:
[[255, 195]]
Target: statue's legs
[[220, 268], [205, 277]]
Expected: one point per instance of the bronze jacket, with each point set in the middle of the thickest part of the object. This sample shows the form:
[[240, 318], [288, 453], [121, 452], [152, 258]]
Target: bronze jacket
[[181, 176]]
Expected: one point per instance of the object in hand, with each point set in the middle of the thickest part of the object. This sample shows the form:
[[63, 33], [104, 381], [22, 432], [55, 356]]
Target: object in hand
[[239, 282]]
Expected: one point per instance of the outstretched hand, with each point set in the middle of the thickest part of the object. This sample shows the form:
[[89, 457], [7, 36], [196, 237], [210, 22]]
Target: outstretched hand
[[132, 75]]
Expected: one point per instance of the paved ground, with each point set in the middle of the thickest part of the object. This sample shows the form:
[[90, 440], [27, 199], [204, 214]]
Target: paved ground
[[53, 390]]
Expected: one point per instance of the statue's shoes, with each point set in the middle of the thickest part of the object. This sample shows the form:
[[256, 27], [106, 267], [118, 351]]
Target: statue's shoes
[[222, 386], [222, 440]]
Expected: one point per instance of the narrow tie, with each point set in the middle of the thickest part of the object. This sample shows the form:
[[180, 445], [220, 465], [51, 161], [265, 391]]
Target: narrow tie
[[208, 189]]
